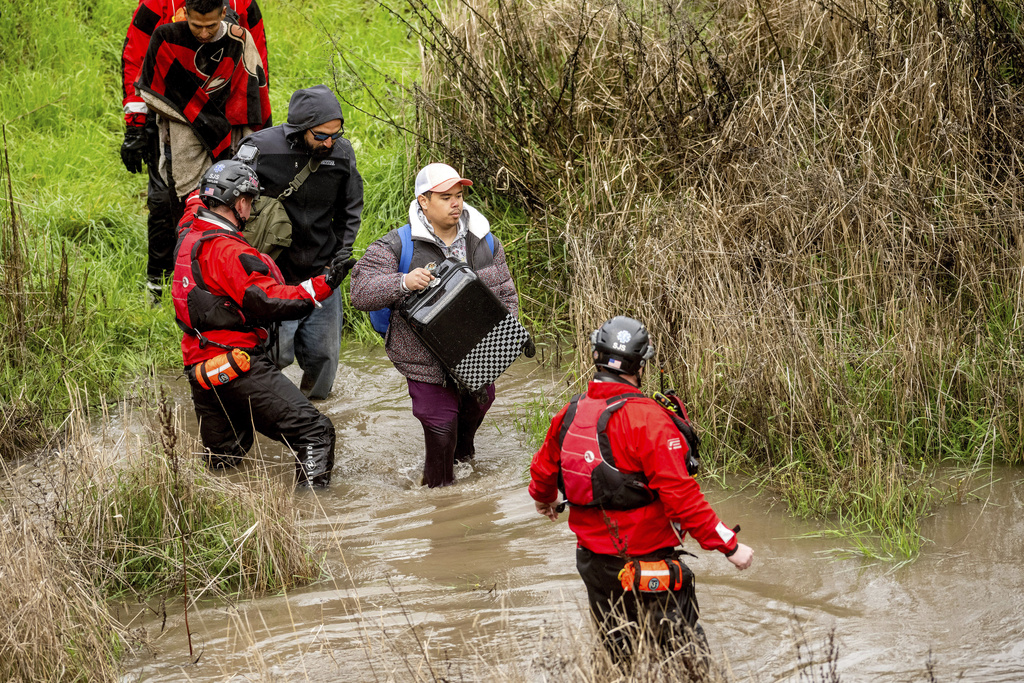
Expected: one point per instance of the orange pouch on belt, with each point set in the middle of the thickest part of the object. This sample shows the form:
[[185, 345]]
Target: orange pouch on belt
[[652, 577], [222, 369]]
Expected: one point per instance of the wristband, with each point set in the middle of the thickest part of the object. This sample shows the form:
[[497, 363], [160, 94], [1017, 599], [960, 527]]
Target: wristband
[[735, 530]]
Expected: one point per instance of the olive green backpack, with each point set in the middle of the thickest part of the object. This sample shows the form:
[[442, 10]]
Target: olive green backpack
[[269, 229]]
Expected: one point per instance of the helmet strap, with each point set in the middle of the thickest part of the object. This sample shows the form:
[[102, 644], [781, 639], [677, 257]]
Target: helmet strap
[[238, 217]]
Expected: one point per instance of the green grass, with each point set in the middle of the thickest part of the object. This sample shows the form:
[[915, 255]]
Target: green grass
[[60, 110]]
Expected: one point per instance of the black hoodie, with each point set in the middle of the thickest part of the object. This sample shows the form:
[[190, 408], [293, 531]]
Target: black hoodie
[[325, 211]]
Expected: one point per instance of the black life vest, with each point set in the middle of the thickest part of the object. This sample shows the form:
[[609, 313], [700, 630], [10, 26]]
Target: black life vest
[[588, 476], [196, 309]]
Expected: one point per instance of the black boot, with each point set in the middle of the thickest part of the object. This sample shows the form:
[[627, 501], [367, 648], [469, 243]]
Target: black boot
[[313, 465], [439, 463]]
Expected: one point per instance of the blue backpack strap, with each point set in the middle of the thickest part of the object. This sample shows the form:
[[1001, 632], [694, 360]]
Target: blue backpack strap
[[381, 319], [405, 255], [490, 241]]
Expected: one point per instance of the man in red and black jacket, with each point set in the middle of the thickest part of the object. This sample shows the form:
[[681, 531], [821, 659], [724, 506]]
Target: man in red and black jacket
[[141, 142], [621, 461], [225, 294]]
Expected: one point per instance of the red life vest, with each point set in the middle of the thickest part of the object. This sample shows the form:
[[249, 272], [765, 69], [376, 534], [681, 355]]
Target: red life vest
[[196, 309], [588, 476]]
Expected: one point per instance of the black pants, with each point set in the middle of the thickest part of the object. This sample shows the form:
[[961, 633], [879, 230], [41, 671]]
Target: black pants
[[264, 400], [665, 619], [450, 419], [165, 210]]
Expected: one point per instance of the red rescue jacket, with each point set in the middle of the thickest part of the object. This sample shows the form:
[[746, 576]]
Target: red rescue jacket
[[225, 292], [588, 475], [644, 442], [153, 13]]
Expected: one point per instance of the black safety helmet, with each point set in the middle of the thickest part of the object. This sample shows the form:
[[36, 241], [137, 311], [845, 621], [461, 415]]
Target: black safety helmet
[[226, 181], [622, 345]]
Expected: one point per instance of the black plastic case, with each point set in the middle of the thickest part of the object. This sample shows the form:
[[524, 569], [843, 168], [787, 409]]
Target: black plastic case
[[464, 325]]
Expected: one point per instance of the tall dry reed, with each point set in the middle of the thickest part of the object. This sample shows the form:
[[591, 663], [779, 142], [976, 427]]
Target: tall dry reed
[[815, 205], [54, 625]]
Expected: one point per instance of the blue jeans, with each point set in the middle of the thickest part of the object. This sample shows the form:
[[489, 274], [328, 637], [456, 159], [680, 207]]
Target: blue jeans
[[314, 341]]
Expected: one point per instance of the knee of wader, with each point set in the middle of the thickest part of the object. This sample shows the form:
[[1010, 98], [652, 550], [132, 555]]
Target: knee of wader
[[441, 431], [441, 438]]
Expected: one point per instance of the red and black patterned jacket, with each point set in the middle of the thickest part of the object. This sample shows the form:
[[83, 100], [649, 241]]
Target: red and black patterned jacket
[[644, 441], [153, 13], [214, 86], [245, 284]]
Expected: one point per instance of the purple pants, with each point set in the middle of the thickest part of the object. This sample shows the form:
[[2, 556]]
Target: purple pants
[[450, 419]]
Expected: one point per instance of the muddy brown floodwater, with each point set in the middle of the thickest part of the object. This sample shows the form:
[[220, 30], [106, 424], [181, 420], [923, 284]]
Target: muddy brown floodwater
[[491, 587]]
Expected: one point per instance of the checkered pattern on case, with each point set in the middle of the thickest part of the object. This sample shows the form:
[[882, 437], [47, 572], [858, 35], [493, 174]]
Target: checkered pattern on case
[[492, 355]]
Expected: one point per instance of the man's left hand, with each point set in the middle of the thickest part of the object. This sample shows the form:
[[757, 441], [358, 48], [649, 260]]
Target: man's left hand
[[133, 149]]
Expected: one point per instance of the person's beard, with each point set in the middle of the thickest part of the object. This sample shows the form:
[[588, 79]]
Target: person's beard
[[321, 152]]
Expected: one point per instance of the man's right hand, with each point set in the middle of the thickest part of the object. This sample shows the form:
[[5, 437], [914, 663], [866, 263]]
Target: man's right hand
[[133, 149], [418, 279], [742, 557], [549, 510]]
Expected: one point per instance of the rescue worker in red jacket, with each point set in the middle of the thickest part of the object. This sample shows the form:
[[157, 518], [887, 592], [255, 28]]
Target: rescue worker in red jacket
[[621, 462], [225, 294], [141, 142]]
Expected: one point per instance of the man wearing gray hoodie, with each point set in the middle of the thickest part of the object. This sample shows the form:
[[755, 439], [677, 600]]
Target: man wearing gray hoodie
[[325, 215]]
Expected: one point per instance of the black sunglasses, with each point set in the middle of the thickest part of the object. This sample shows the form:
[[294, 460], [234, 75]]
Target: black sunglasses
[[320, 137]]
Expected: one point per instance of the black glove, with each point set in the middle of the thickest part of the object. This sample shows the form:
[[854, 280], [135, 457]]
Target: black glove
[[338, 270], [133, 149], [529, 348]]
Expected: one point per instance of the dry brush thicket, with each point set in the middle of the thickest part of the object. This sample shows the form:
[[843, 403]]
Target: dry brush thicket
[[815, 206], [55, 624], [124, 507]]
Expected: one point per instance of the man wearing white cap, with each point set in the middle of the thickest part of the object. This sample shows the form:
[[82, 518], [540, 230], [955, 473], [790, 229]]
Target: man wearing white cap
[[442, 226]]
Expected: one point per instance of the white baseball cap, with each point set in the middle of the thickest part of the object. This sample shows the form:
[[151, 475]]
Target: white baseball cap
[[438, 178]]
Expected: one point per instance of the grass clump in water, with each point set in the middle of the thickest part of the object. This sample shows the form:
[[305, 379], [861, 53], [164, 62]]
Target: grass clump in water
[[153, 520], [134, 514]]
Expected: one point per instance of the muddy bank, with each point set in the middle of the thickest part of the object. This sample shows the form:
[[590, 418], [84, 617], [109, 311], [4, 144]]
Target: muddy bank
[[490, 586]]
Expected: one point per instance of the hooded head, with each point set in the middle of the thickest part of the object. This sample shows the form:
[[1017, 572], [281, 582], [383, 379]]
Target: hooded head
[[310, 107]]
